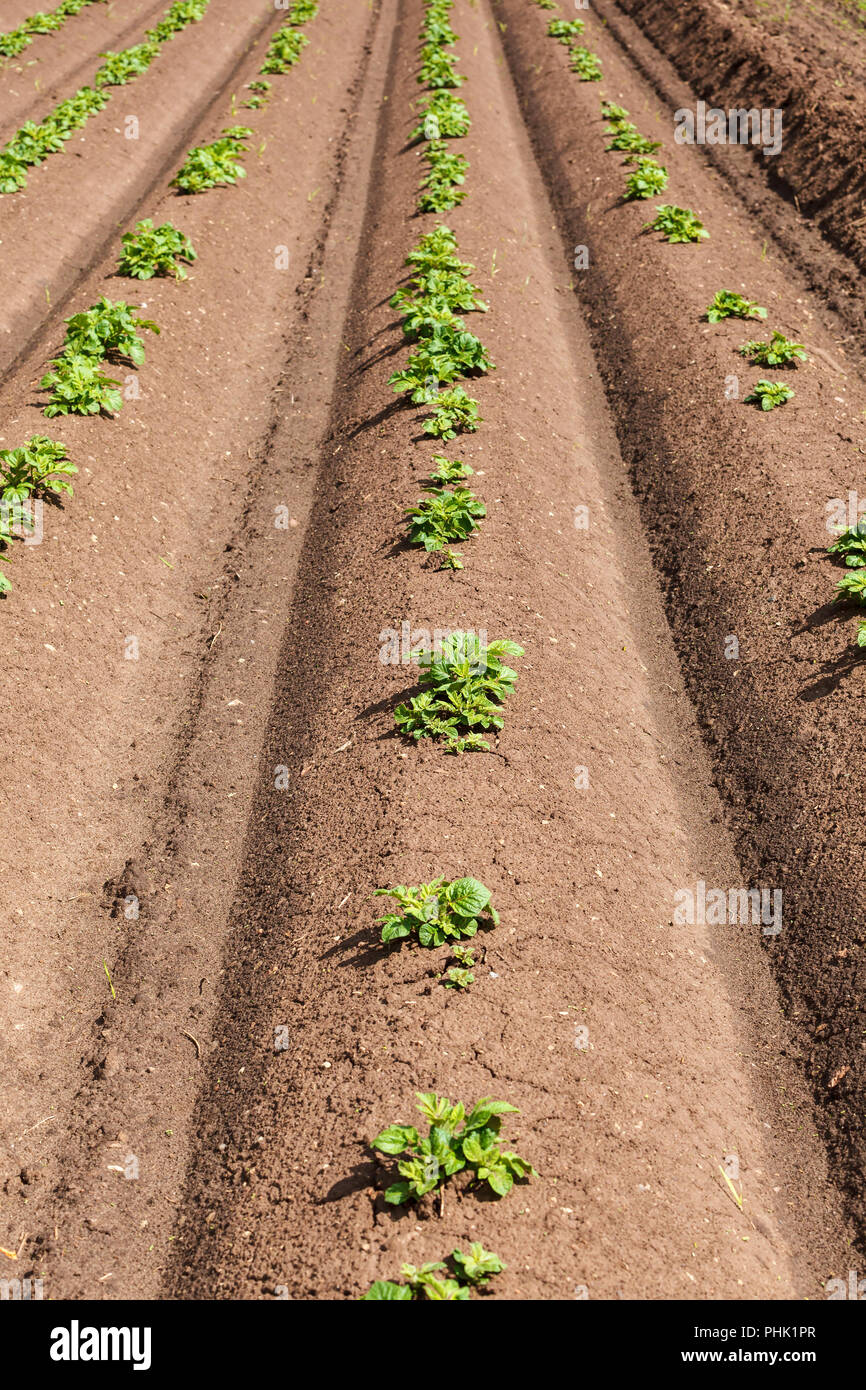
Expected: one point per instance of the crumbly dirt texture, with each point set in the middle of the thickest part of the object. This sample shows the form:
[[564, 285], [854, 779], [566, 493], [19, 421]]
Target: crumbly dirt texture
[[240, 781]]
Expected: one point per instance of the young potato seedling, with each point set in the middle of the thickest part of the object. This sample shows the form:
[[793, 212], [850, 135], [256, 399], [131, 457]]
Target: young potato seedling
[[445, 515], [120, 68], [437, 69], [455, 1141], [260, 92], [455, 413], [447, 471], [107, 331], [769, 394], [627, 137], [648, 179], [438, 912], [778, 352], [150, 251], [473, 1270], [207, 166], [851, 544], [284, 51], [565, 29], [38, 468], [466, 687], [182, 13], [441, 356], [677, 224], [303, 11], [445, 117], [478, 1266], [78, 387], [586, 65], [458, 978], [727, 304]]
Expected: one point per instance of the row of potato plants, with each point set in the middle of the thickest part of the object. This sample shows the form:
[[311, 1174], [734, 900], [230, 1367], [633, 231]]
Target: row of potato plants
[[464, 681], [31, 145], [648, 178], [14, 41], [109, 331]]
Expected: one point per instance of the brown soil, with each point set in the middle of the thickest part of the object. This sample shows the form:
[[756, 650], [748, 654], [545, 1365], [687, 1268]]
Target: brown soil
[[259, 650]]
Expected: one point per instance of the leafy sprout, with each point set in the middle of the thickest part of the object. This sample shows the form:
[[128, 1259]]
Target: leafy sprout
[[473, 1270], [207, 166], [455, 1141], [458, 978], [478, 1265], [769, 394], [454, 413], [586, 65], [728, 304], [444, 516], [150, 251], [648, 179], [565, 29], [466, 685], [107, 330], [78, 387], [438, 912], [778, 352], [677, 224], [39, 467], [284, 50], [120, 68], [444, 117]]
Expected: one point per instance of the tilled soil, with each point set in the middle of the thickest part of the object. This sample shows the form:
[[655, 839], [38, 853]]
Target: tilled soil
[[643, 1055]]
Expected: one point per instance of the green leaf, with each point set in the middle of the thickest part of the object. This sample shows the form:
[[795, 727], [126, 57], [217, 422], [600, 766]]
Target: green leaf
[[398, 1193], [396, 1139], [384, 1291], [467, 897]]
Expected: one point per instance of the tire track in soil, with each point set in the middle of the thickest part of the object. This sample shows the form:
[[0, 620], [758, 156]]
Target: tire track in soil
[[736, 519], [281, 1191], [68, 219], [137, 1057]]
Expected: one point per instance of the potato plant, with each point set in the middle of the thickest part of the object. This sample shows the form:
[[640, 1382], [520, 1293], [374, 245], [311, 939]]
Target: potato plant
[[465, 685], [120, 68], [216, 164], [850, 546], [439, 912], [472, 1269], [284, 50], [455, 1141], [444, 117], [677, 224], [585, 64], [648, 179], [767, 395], [728, 304], [150, 251], [79, 387], [565, 29], [107, 332], [443, 517], [778, 352], [39, 468]]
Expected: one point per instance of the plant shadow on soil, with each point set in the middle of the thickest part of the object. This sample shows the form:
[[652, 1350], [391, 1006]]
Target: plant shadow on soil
[[361, 1175], [835, 668]]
